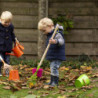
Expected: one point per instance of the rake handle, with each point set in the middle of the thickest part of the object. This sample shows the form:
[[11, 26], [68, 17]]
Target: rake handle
[[48, 47], [2, 60]]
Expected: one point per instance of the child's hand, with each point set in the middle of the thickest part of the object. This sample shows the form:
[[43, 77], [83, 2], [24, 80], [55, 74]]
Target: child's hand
[[14, 44], [52, 41]]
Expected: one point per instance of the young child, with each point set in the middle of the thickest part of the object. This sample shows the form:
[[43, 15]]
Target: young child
[[7, 36], [56, 52]]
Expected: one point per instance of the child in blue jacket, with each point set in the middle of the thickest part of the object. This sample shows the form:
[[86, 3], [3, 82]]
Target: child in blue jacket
[[56, 52], [7, 36]]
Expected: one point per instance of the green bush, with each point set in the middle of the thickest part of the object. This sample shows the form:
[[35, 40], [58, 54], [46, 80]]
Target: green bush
[[72, 62], [64, 21]]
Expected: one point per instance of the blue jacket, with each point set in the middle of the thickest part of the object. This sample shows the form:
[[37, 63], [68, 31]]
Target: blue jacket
[[7, 37], [55, 52]]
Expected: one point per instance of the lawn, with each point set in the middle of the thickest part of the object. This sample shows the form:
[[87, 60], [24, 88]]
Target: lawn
[[69, 72], [66, 88]]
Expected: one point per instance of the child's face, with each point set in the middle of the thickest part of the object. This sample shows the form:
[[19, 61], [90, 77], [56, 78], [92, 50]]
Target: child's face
[[5, 23], [47, 29]]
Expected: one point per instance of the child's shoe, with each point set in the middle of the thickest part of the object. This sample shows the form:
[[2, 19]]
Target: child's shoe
[[50, 81], [0, 74], [55, 81]]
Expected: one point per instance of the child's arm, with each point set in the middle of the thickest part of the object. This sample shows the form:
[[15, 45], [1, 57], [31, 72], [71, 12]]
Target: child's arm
[[57, 40], [13, 34]]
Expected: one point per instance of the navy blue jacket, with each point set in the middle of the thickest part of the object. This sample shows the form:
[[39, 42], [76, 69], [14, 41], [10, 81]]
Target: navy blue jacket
[[55, 52], [7, 37]]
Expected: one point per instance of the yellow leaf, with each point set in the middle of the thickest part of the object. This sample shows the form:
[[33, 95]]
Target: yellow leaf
[[66, 68], [20, 73], [48, 81], [31, 68], [62, 96], [31, 85], [89, 68], [62, 68], [83, 67]]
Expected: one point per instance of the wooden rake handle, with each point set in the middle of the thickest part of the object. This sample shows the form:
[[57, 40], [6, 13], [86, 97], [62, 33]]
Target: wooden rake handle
[[48, 46], [2, 60]]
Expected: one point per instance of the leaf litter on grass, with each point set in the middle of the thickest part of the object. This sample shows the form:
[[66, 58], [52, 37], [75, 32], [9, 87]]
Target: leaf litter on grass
[[67, 78]]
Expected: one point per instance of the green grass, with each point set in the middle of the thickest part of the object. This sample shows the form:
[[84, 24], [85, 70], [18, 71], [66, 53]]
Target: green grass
[[51, 93], [75, 94], [69, 91]]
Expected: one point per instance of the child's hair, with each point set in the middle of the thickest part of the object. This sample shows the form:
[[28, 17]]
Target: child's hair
[[6, 15], [44, 22]]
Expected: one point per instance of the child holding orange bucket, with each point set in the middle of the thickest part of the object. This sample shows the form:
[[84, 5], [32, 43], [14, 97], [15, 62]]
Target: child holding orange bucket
[[7, 36], [56, 52]]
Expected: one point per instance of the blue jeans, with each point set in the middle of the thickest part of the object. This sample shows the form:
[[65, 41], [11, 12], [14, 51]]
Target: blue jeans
[[6, 58], [54, 66]]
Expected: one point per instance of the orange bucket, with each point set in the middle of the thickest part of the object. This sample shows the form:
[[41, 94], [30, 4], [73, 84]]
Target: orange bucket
[[16, 51], [13, 75]]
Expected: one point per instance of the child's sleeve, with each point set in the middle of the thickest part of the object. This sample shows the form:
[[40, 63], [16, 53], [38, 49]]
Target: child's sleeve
[[59, 39], [13, 34]]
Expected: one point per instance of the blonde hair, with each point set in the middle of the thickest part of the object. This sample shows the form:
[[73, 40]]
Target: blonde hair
[[44, 22], [6, 15]]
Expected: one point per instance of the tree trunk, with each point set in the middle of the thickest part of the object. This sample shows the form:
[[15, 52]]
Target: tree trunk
[[42, 38]]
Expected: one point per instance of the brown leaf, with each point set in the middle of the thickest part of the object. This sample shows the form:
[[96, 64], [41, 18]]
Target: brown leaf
[[4, 83], [30, 92], [61, 92], [95, 75], [46, 86], [88, 87], [72, 77], [7, 87], [25, 87], [64, 68]]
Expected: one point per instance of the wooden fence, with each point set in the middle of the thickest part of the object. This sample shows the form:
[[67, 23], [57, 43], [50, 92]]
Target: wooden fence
[[83, 38]]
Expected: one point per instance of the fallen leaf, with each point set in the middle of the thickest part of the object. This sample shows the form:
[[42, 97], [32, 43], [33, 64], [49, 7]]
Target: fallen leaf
[[25, 87], [31, 85], [66, 68], [46, 86], [47, 81], [89, 68], [62, 96], [7, 87], [95, 75], [83, 67], [30, 92]]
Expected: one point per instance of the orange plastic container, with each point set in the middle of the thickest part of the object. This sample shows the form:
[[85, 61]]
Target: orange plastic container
[[20, 46], [13, 75], [16, 51]]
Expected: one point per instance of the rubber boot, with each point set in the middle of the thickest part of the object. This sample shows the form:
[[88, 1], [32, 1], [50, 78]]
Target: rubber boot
[[0, 71], [55, 81], [50, 80]]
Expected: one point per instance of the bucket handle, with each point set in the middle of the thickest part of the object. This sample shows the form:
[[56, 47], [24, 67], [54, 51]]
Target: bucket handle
[[84, 82], [18, 44]]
